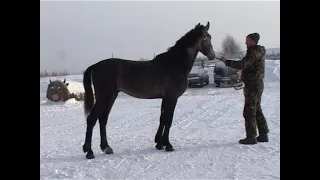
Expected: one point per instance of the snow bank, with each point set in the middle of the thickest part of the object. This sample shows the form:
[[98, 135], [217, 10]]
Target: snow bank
[[272, 71]]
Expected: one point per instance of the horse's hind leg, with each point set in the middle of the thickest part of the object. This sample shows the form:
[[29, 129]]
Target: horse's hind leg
[[96, 112], [103, 120]]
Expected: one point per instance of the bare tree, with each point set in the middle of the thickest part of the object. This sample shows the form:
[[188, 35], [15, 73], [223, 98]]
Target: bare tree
[[230, 48]]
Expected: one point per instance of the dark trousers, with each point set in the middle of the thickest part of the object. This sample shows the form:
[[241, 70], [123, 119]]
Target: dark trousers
[[252, 111]]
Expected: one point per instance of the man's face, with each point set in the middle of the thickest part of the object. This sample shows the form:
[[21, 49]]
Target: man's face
[[249, 42]]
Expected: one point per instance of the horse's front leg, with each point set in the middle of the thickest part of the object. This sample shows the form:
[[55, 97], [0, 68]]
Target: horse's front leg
[[158, 138], [169, 105]]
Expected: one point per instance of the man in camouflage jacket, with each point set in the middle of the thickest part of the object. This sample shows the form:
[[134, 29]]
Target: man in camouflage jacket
[[252, 66]]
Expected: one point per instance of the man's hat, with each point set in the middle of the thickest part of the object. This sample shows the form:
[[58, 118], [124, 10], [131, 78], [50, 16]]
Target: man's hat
[[254, 36]]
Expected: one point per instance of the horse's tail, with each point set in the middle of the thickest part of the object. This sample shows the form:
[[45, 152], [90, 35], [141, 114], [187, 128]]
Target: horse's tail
[[88, 93]]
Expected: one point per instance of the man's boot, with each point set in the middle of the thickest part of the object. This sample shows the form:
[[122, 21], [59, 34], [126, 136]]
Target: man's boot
[[263, 138], [248, 140], [251, 132]]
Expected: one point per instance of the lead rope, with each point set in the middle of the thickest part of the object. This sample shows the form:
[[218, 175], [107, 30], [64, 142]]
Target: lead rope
[[238, 87]]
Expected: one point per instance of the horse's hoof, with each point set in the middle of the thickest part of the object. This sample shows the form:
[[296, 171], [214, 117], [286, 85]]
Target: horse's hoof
[[170, 148], [108, 150], [90, 156], [159, 147]]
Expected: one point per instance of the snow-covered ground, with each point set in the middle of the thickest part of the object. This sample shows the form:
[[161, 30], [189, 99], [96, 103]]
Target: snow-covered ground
[[205, 131]]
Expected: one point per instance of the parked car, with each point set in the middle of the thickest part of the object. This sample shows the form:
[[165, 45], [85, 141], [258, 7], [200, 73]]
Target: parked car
[[198, 75], [225, 74]]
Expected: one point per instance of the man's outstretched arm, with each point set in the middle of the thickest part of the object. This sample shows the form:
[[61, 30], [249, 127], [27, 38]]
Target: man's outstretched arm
[[245, 62]]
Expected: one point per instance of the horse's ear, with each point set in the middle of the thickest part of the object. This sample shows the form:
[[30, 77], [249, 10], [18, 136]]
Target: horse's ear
[[50, 81], [64, 81], [67, 84], [207, 26]]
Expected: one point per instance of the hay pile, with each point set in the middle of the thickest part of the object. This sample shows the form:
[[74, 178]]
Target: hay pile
[[58, 91]]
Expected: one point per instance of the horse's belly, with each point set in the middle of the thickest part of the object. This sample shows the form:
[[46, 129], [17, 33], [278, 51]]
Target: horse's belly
[[141, 88]]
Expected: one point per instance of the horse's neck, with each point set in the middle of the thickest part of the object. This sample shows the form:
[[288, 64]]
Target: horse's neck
[[192, 54], [185, 59]]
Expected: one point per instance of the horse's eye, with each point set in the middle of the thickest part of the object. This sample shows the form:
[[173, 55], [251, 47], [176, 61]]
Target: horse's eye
[[51, 89]]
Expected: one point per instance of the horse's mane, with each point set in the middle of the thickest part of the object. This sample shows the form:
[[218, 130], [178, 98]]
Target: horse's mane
[[185, 41], [188, 39]]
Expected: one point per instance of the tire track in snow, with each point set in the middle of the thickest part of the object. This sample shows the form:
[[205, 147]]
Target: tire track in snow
[[153, 165], [146, 163], [205, 110], [204, 153], [63, 132], [128, 121], [188, 118]]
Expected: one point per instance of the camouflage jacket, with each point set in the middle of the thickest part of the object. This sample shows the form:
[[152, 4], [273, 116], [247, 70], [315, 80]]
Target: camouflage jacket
[[252, 65]]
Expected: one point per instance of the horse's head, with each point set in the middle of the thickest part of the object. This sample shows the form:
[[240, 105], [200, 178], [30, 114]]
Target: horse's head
[[58, 91], [204, 45]]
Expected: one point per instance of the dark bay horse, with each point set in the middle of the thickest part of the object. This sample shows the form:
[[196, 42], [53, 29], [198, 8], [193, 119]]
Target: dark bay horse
[[163, 77]]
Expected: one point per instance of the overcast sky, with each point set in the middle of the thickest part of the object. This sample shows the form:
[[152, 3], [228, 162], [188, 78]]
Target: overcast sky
[[74, 35]]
